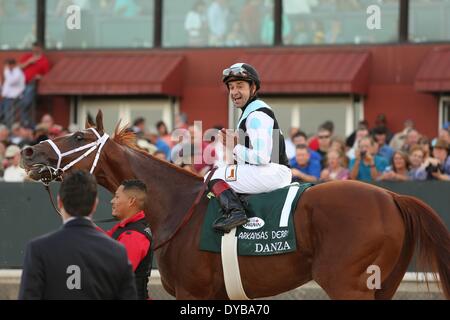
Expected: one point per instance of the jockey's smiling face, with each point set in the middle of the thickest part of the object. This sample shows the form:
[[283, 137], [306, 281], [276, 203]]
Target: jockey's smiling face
[[240, 92]]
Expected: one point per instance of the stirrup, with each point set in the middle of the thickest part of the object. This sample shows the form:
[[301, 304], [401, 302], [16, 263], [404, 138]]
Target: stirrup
[[220, 226], [220, 219]]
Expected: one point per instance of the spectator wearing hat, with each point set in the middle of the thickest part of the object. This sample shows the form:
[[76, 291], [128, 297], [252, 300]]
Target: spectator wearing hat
[[13, 172], [438, 167]]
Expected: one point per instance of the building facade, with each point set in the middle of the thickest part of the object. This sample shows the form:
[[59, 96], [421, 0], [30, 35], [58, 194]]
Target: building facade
[[318, 59]]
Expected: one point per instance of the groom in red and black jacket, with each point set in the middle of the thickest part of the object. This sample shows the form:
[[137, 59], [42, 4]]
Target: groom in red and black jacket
[[133, 231]]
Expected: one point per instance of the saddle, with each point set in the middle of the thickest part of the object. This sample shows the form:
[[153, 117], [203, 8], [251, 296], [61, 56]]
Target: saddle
[[270, 229]]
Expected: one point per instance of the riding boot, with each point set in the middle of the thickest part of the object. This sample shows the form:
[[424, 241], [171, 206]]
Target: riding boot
[[233, 209]]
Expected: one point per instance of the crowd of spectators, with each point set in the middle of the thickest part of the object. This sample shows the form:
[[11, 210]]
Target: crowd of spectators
[[13, 139], [370, 154]]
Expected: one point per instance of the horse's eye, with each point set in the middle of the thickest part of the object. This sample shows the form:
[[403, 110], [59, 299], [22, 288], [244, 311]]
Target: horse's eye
[[79, 136]]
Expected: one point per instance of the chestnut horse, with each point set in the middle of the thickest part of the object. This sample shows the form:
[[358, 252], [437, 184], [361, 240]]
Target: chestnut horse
[[342, 228]]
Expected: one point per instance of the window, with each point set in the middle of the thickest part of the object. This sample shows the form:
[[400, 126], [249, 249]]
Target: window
[[308, 113], [334, 22], [223, 23], [444, 112], [428, 20], [103, 24], [127, 110], [17, 24]]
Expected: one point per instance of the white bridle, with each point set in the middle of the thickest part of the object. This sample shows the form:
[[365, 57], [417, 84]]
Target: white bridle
[[99, 143]]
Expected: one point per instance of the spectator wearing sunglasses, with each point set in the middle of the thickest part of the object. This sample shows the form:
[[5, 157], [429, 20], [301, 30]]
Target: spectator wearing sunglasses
[[324, 139]]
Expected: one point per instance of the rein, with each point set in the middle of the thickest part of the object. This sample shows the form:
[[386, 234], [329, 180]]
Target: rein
[[56, 173], [59, 212], [190, 212]]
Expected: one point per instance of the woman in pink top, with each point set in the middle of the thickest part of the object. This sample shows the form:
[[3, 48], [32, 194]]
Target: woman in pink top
[[335, 169]]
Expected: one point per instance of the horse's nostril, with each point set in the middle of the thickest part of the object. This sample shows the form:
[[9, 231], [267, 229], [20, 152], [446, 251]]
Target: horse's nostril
[[28, 152]]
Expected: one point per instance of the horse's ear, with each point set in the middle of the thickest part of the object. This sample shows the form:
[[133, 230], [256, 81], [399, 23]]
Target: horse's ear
[[99, 121], [89, 122]]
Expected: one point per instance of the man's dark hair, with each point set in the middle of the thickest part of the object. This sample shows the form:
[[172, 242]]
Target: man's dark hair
[[161, 123], [137, 185], [78, 193], [37, 44], [302, 147], [138, 121], [134, 184], [380, 130], [300, 134], [10, 62], [327, 125]]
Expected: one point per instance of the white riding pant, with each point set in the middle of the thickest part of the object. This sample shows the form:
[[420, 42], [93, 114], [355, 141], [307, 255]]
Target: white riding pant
[[251, 179]]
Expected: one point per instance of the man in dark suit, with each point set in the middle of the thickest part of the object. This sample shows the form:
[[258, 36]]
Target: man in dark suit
[[77, 261]]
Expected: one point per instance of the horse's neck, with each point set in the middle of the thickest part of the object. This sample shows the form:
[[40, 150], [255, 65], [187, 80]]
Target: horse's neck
[[171, 191]]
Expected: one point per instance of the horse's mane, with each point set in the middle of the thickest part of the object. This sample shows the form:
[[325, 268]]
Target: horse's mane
[[128, 138]]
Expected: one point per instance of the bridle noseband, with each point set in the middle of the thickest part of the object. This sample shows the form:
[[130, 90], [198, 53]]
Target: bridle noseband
[[56, 173]]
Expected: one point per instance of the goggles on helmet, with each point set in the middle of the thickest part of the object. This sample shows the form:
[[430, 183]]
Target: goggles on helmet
[[235, 71]]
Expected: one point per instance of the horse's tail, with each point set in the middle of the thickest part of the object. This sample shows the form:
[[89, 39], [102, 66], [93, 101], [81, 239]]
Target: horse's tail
[[425, 231]]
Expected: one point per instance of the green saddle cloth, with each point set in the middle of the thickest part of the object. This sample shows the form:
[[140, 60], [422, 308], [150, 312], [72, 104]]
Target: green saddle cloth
[[270, 229]]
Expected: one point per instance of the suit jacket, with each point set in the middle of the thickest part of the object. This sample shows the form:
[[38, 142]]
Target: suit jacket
[[76, 262]]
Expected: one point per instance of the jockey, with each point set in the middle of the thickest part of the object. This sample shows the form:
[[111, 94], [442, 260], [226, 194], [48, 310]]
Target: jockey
[[259, 162]]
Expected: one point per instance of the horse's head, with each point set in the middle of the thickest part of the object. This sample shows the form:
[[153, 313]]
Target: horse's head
[[50, 159]]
